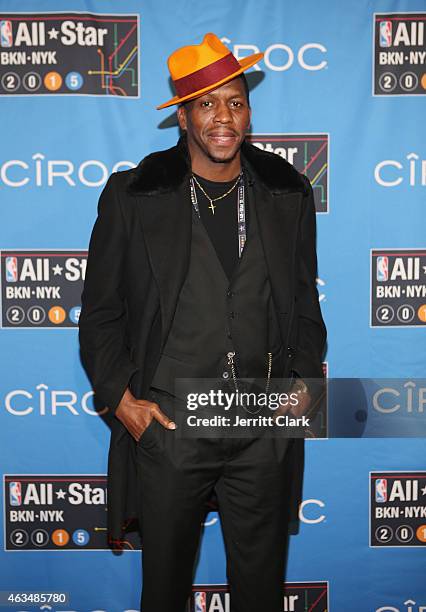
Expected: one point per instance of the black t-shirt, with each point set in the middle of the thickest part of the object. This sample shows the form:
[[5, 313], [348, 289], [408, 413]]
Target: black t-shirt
[[221, 226]]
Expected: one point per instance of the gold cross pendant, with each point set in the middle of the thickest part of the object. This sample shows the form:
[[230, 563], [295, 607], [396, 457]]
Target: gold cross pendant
[[212, 206]]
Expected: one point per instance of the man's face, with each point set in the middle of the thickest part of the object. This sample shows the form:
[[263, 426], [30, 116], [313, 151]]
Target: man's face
[[216, 122]]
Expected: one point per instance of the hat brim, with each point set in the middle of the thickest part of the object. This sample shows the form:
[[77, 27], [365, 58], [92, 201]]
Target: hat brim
[[245, 63]]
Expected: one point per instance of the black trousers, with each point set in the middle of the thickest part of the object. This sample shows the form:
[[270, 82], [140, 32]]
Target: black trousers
[[176, 478]]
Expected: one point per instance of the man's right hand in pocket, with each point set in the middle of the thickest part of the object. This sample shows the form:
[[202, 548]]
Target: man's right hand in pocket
[[137, 414]]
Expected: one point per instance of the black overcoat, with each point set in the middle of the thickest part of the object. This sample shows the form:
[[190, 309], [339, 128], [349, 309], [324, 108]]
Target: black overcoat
[[138, 257]]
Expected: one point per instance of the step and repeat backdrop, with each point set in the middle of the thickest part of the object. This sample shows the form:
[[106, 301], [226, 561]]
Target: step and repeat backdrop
[[340, 94]]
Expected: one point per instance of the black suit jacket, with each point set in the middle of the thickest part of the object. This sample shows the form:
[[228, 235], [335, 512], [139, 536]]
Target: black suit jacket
[[138, 257]]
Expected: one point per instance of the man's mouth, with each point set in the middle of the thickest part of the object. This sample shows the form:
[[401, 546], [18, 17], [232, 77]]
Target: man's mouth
[[222, 137]]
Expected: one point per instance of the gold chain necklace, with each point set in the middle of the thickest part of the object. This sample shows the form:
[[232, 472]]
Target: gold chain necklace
[[211, 200]]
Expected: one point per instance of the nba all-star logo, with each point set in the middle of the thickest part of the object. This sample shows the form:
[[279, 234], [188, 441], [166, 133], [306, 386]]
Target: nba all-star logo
[[298, 597], [69, 53], [399, 54], [397, 509], [309, 153], [41, 288], [398, 287], [58, 512]]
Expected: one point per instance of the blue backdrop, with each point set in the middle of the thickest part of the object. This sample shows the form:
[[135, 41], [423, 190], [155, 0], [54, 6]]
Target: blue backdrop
[[340, 92]]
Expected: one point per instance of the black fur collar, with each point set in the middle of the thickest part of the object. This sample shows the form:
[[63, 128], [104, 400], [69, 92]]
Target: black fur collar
[[166, 170]]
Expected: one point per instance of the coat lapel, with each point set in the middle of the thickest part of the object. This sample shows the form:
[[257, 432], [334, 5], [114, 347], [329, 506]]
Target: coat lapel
[[277, 221], [166, 225], [277, 190]]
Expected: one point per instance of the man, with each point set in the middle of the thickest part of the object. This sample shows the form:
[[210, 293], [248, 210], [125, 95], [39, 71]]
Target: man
[[173, 291]]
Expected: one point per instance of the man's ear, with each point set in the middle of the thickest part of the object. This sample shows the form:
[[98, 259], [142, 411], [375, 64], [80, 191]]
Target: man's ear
[[249, 121], [181, 115]]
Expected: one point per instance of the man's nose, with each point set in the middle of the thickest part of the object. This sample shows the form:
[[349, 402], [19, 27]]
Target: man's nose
[[223, 113]]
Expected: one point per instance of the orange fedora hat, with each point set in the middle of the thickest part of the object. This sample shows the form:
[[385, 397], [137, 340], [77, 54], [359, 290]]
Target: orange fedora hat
[[197, 69]]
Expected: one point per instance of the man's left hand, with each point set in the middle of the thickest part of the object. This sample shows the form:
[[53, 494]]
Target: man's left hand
[[300, 390]]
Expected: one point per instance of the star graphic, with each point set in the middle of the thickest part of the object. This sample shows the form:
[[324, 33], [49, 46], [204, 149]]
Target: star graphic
[[57, 269], [53, 33], [60, 494], [423, 490]]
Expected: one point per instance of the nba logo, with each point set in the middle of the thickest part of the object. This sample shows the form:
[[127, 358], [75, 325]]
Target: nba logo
[[382, 268], [15, 497], [6, 33], [200, 601], [386, 33], [381, 490], [11, 269]]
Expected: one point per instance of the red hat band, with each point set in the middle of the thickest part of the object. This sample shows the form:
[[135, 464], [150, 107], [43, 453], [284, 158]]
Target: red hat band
[[206, 76]]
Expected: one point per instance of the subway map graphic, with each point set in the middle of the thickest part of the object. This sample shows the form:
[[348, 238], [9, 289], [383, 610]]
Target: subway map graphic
[[308, 153], [69, 54]]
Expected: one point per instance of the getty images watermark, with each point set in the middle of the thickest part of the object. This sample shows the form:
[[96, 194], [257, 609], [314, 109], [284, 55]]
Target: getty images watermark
[[251, 403], [215, 408], [326, 408]]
